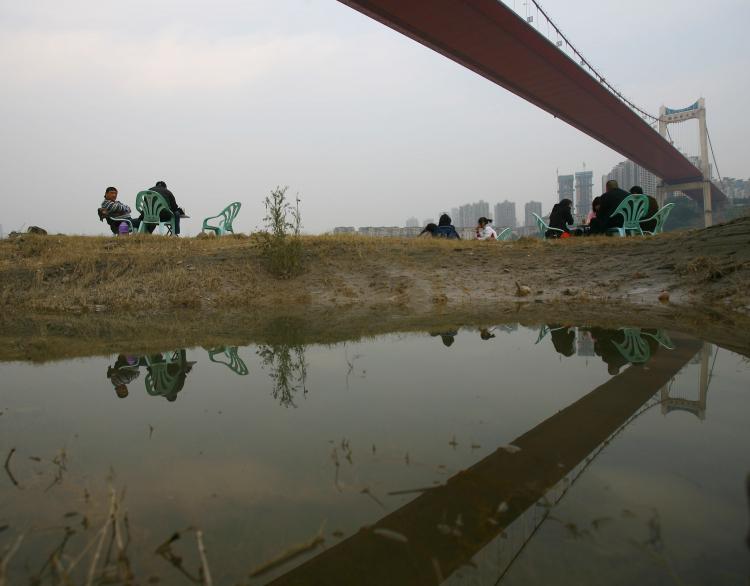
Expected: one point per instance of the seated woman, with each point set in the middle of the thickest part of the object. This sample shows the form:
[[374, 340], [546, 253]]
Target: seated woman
[[560, 217], [595, 205], [484, 230], [445, 228], [429, 230]]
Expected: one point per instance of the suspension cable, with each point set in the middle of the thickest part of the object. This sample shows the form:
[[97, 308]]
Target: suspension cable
[[596, 74], [713, 156]]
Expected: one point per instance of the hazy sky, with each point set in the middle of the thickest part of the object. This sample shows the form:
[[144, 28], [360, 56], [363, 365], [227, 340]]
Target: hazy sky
[[226, 99]]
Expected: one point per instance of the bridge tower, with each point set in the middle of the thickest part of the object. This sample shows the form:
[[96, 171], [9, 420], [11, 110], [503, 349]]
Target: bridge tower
[[669, 116]]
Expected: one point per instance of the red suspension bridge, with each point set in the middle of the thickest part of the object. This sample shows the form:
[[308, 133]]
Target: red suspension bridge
[[489, 38]]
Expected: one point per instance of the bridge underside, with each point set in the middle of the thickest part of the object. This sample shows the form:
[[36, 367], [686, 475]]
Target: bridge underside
[[489, 38]]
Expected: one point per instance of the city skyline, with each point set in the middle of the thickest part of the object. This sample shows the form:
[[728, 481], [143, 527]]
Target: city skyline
[[365, 124]]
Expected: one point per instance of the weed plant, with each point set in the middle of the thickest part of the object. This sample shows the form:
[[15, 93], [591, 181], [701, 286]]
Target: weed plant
[[281, 245]]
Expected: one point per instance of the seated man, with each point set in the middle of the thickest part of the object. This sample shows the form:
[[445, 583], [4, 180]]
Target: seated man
[[111, 208], [608, 203], [161, 189], [653, 207]]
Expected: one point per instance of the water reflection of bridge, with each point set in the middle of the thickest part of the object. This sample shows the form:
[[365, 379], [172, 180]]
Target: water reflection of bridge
[[490, 507]]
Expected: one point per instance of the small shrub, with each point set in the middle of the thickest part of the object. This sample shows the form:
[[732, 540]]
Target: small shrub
[[281, 245]]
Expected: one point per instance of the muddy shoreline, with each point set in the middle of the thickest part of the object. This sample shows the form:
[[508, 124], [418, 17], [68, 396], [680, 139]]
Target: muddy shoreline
[[63, 297], [42, 338]]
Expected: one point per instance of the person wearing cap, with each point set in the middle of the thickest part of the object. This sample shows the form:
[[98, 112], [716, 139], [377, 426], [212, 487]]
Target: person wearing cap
[[161, 188], [484, 230]]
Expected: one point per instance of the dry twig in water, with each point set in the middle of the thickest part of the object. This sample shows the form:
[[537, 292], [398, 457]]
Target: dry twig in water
[[7, 468], [7, 556], [290, 554]]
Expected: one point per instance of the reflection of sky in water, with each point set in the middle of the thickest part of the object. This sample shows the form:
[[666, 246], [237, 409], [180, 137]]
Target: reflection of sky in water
[[396, 413]]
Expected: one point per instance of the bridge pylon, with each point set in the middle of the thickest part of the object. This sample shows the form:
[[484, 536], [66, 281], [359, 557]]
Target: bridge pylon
[[669, 116]]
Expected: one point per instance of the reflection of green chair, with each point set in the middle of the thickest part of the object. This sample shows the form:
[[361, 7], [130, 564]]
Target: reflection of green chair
[[661, 337], [235, 363], [166, 375], [151, 205], [225, 219], [634, 348], [660, 217], [505, 234], [632, 209], [543, 227], [545, 329]]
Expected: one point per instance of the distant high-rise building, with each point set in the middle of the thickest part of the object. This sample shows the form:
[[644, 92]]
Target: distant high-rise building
[[627, 174], [469, 213], [532, 207], [505, 214], [584, 193], [565, 187], [412, 222]]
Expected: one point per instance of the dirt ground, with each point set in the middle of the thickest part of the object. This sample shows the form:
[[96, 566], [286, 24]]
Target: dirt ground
[[58, 288]]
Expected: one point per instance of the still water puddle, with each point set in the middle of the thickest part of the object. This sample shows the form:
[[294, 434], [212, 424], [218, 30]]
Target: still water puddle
[[502, 455]]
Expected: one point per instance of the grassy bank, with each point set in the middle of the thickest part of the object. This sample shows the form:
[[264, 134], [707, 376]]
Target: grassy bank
[[74, 274]]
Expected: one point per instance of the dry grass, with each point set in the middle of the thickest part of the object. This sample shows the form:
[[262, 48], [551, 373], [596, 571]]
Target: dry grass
[[147, 273]]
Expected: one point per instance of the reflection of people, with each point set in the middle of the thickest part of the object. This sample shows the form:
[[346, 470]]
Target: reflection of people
[[604, 346], [486, 334], [448, 337], [563, 339], [167, 378], [124, 372]]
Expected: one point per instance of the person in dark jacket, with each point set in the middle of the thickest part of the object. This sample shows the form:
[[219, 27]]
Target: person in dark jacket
[[560, 217], [608, 203], [429, 230], [653, 207], [161, 189], [445, 228]]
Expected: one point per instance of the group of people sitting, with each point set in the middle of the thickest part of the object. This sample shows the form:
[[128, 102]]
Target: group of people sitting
[[599, 220], [115, 212], [445, 229]]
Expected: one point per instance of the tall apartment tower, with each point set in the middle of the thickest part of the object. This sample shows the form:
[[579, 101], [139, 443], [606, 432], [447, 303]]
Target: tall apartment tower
[[412, 222], [627, 174], [584, 193], [565, 187], [469, 213], [505, 214], [532, 207]]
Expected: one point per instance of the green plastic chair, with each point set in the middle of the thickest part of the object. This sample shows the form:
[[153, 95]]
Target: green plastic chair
[[661, 219], [634, 348], [544, 227], [151, 205], [632, 209], [505, 234], [226, 217], [234, 362]]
